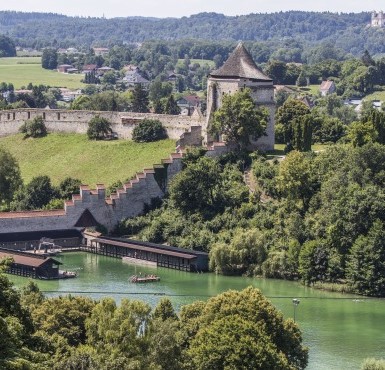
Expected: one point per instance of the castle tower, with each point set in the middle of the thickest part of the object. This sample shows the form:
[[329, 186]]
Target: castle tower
[[378, 19], [240, 71]]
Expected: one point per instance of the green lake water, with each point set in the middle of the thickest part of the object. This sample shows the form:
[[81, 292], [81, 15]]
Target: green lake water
[[340, 330]]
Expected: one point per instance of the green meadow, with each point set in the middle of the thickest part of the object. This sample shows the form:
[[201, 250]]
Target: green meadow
[[202, 62], [22, 70], [63, 155]]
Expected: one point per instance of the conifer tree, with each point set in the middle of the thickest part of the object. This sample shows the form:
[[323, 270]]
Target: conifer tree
[[140, 100]]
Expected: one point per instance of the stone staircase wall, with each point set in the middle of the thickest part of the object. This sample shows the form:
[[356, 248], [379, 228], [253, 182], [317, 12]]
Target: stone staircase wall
[[129, 201]]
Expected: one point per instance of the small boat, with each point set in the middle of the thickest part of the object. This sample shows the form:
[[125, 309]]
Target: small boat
[[144, 279], [67, 274]]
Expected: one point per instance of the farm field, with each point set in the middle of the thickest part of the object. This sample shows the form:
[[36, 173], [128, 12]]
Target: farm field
[[310, 89], [200, 61], [279, 148], [63, 155], [377, 95], [22, 70]]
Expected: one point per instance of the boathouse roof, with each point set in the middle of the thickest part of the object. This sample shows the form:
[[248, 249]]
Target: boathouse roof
[[146, 249], [147, 246], [37, 235], [240, 64], [26, 259]]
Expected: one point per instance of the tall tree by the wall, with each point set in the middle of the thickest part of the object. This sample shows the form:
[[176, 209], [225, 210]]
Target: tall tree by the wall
[[140, 100], [302, 133], [35, 195], [7, 47], [367, 59], [276, 70], [171, 107], [239, 119], [49, 59], [286, 115], [10, 178], [91, 78], [301, 80], [38, 95], [378, 120]]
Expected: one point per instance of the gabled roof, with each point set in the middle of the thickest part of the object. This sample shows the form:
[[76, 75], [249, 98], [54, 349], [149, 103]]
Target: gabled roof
[[326, 85], [191, 99], [86, 220], [240, 64], [27, 259]]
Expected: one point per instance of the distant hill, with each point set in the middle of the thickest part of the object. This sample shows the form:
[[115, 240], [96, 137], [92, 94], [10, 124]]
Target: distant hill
[[348, 30]]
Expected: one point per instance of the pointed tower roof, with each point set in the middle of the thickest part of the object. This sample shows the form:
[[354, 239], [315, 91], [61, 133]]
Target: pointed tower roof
[[240, 64]]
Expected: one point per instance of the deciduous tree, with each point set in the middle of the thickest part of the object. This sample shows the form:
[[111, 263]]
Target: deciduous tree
[[239, 120], [98, 128], [10, 177]]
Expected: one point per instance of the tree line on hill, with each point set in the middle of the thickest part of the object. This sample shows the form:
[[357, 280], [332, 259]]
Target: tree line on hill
[[32, 29], [317, 213]]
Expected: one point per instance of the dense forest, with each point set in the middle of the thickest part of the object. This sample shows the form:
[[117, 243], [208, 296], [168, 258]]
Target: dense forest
[[348, 31], [318, 217]]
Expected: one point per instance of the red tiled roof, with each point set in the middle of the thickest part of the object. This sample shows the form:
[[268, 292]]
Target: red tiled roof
[[192, 99], [24, 260], [326, 85], [27, 214]]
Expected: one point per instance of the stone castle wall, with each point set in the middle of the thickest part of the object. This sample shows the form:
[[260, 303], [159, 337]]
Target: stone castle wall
[[108, 211], [123, 123]]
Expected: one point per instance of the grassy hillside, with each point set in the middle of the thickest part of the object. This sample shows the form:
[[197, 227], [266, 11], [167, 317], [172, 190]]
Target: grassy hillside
[[62, 155], [202, 62], [22, 70]]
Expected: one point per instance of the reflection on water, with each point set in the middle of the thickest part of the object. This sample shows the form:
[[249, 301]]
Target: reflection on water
[[340, 330]]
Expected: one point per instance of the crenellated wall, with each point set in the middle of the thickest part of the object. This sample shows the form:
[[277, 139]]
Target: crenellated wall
[[72, 121], [126, 202]]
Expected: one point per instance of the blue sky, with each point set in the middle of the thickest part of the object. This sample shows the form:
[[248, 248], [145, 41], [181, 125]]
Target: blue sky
[[178, 8]]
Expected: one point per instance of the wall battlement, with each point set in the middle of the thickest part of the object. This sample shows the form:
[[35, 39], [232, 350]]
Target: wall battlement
[[74, 121], [92, 205]]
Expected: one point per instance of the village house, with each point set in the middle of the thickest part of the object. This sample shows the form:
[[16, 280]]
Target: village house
[[133, 78], [327, 87], [102, 70], [69, 95], [187, 104], [130, 68], [88, 68], [101, 51], [307, 101], [63, 68]]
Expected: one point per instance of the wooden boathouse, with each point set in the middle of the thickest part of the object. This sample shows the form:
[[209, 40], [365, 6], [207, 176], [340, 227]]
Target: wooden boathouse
[[31, 265], [31, 239], [162, 255]]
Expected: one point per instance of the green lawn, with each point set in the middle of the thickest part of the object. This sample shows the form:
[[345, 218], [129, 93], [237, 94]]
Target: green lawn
[[200, 61], [62, 155], [22, 70], [311, 89], [279, 148], [377, 95]]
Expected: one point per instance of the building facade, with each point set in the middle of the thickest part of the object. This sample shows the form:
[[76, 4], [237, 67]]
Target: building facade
[[378, 19]]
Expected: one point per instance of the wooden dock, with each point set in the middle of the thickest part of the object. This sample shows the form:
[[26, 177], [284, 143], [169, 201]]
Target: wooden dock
[[144, 279]]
